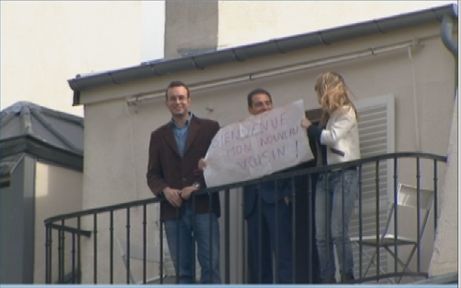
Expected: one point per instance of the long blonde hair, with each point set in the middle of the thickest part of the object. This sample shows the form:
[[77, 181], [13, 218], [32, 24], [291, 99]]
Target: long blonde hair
[[333, 94]]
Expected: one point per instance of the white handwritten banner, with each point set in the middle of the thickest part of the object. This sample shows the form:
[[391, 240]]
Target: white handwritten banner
[[257, 146]]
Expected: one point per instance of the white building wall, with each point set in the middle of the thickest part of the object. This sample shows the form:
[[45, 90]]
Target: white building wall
[[43, 44], [58, 190], [244, 22]]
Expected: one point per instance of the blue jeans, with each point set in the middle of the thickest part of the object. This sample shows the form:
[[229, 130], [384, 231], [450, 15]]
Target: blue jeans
[[183, 234], [332, 215]]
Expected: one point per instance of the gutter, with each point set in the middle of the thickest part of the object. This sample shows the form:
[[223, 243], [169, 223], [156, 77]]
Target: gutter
[[446, 33], [275, 46]]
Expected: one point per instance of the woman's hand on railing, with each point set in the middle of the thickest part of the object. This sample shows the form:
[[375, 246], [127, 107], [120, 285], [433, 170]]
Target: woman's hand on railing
[[173, 196]]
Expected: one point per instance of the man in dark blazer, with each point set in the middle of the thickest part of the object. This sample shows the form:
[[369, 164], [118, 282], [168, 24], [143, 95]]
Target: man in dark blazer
[[173, 174], [263, 204]]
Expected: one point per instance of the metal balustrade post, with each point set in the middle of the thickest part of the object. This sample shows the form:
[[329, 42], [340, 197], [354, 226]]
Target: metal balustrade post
[[435, 196], [128, 246], [293, 230], [396, 230], [48, 254], [79, 247], [260, 262], [276, 228], [378, 236], [144, 243], [178, 247], [360, 222], [418, 215], [244, 240], [61, 253], [161, 248], [210, 211], [73, 257], [111, 245], [310, 216], [194, 268], [227, 236], [95, 248], [327, 215], [343, 232]]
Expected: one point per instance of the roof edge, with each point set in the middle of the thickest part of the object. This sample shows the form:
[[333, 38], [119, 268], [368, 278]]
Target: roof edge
[[20, 106], [41, 150], [245, 52]]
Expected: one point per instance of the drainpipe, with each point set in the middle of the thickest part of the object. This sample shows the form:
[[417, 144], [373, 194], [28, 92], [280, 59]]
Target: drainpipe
[[446, 33]]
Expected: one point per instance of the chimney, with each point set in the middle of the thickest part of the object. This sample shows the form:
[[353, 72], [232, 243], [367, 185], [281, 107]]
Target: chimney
[[191, 27]]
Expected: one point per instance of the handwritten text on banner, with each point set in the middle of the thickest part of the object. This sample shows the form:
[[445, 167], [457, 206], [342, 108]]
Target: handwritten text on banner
[[257, 146]]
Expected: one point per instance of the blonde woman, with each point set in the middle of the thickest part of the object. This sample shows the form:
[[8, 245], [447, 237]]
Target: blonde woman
[[337, 140]]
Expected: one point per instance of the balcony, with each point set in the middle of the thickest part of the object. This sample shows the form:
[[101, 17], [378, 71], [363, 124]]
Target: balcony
[[125, 243]]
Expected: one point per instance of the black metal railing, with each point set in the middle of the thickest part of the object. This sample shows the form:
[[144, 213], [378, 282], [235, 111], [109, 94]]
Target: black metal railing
[[86, 241]]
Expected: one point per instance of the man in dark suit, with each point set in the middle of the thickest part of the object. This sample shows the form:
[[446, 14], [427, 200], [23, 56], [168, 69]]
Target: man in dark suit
[[174, 152], [267, 209]]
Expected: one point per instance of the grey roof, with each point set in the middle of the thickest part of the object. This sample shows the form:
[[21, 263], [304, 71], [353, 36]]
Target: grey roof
[[47, 134], [274, 46]]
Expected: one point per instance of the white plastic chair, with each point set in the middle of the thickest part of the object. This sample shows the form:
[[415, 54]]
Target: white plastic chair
[[406, 197]]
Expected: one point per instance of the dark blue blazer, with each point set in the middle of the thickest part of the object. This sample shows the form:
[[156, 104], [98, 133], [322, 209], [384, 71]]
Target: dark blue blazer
[[268, 193]]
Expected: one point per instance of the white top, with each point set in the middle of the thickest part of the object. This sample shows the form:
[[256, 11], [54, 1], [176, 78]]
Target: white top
[[341, 136]]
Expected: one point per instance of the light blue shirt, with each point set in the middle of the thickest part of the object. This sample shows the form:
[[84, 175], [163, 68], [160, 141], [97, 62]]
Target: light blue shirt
[[180, 134]]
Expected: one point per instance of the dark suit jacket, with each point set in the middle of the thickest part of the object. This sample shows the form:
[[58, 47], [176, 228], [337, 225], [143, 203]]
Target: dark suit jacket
[[268, 194], [267, 190], [167, 168]]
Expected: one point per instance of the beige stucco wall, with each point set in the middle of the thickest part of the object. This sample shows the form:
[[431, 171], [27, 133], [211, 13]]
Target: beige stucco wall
[[243, 22], [57, 191], [45, 43], [445, 257], [117, 135]]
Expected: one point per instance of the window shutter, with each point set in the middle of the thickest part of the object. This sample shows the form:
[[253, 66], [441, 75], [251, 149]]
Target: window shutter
[[376, 132]]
